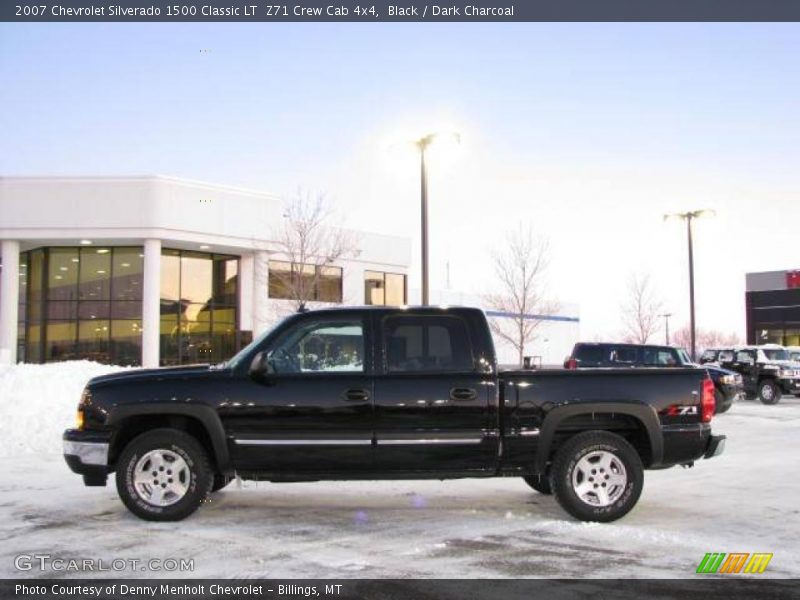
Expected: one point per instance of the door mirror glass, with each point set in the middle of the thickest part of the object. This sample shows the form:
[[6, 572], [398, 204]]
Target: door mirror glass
[[260, 366]]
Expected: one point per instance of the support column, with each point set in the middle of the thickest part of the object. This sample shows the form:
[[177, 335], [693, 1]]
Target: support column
[[151, 303], [261, 313], [9, 297]]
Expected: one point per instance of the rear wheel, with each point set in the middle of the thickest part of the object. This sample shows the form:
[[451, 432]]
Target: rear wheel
[[163, 475], [769, 392], [540, 483], [597, 476]]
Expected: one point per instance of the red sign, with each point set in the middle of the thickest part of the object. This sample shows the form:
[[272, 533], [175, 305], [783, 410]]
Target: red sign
[[792, 279]]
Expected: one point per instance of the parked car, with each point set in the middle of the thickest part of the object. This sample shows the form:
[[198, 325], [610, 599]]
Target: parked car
[[728, 385], [767, 371], [386, 393]]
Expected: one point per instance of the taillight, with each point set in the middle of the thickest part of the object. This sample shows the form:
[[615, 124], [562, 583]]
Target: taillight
[[572, 363], [707, 403]]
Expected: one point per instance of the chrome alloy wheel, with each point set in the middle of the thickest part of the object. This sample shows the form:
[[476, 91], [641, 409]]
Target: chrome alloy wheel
[[599, 478], [161, 477]]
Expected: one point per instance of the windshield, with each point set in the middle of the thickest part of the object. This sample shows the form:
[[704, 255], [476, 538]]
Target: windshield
[[776, 354], [234, 362]]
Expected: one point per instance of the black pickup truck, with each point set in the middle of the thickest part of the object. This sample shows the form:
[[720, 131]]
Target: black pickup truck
[[386, 393], [727, 385]]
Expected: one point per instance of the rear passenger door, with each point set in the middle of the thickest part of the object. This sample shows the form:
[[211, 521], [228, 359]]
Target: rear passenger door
[[432, 403]]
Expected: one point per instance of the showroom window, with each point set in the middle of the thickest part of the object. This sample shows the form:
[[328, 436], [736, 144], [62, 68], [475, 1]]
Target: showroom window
[[81, 303], [291, 281], [199, 307], [385, 288]]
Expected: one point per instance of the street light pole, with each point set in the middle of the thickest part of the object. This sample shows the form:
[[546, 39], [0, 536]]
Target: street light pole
[[666, 324], [689, 217], [423, 144]]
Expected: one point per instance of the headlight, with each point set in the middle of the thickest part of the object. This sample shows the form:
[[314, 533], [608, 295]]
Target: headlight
[[85, 401], [786, 373], [728, 379]]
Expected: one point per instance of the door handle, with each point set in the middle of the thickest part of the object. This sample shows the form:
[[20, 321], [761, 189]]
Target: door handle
[[356, 395], [463, 394]]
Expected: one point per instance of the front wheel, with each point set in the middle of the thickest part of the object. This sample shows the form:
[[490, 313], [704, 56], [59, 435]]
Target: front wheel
[[597, 476], [721, 404], [163, 475], [769, 392], [540, 483]]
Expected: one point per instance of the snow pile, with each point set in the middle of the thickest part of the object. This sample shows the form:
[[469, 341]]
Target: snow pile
[[38, 402]]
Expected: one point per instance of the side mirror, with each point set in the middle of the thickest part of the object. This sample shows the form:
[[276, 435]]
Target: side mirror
[[260, 367]]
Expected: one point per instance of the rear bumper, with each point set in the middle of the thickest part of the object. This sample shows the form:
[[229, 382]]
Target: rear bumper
[[86, 453], [716, 446]]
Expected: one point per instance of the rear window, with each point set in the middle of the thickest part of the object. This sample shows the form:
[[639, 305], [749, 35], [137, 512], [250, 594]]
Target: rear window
[[591, 356]]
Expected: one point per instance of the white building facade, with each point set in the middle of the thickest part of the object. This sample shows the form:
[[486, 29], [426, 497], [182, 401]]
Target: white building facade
[[158, 271]]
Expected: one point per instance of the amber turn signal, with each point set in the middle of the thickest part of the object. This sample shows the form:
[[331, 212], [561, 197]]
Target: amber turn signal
[[79, 419]]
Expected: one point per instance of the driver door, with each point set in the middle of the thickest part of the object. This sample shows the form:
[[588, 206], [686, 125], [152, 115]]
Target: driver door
[[312, 413], [747, 366]]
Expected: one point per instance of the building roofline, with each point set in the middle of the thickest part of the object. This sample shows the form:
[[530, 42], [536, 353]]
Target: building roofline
[[140, 178]]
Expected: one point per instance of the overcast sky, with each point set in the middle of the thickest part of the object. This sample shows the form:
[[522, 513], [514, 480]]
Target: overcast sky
[[590, 132]]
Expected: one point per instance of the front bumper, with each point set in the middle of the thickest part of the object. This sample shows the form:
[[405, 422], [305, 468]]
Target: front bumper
[[86, 453], [716, 446], [790, 386]]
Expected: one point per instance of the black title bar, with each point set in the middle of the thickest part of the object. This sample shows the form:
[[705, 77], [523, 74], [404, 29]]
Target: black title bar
[[731, 588], [372, 11]]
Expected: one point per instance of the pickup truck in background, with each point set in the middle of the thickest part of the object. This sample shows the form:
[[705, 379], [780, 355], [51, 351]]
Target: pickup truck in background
[[728, 385], [387, 393]]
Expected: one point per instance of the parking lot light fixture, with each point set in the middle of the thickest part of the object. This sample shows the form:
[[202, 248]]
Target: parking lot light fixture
[[689, 216]]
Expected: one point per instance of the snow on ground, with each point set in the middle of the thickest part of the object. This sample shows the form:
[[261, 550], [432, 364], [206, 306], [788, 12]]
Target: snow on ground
[[743, 501], [39, 401]]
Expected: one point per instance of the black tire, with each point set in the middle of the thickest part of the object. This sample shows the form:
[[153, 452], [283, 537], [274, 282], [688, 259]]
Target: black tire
[[539, 483], [196, 474], [769, 392], [721, 404], [220, 481], [586, 445]]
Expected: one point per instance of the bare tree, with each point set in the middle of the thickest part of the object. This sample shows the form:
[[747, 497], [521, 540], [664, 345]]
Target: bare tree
[[310, 241], [705, 338], [520, 270], [641, 311]]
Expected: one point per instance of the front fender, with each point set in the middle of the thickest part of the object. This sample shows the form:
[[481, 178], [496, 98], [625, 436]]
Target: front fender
[[205, 414]]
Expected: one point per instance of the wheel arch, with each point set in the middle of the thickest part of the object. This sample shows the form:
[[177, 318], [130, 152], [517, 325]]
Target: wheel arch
[[201, 421], [644, 418]]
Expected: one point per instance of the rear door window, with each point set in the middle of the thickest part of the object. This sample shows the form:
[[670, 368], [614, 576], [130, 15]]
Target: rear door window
[[624, 356], [427, 343], [659, 357]]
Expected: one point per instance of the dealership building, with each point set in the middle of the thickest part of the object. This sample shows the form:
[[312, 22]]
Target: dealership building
[[772, 304], [158, 271]]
